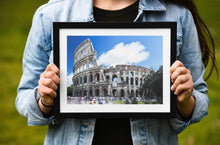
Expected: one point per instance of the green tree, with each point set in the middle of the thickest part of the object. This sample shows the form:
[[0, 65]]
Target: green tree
[[69, 90], [153, 85]]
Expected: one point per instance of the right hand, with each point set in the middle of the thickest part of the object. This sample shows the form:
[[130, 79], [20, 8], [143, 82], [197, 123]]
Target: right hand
[[48, 84]]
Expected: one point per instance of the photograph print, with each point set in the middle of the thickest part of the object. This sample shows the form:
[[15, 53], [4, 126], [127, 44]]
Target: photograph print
[[111, 70]]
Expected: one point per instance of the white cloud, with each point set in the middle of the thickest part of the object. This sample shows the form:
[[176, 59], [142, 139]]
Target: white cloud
[[69, 79], [124, 54]]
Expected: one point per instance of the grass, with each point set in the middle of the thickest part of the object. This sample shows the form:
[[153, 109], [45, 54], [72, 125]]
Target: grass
[[15, 22], [119, 102], [207, 131]]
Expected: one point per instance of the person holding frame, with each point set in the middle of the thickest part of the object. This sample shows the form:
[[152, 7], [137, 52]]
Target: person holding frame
[[40, 79]]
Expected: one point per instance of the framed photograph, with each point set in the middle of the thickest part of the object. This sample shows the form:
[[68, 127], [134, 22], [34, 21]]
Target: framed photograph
[[117, 70]]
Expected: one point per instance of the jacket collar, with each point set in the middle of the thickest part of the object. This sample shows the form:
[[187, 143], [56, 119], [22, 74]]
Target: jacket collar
[[151, 5], [84, 8]]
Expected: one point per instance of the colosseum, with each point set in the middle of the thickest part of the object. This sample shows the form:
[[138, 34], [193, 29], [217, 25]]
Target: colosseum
[[91, 79]]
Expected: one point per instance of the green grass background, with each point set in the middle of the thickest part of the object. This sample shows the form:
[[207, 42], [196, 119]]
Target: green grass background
[[15, 23]]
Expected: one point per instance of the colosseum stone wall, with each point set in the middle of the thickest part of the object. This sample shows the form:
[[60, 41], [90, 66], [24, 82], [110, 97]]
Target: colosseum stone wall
[[91, 79]]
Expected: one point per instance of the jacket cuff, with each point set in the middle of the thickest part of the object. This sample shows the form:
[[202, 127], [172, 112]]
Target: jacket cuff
[[35, 116], [201, 106], [199, 112]]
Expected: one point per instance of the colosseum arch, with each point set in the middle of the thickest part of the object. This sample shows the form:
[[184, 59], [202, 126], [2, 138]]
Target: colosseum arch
[[136, 81], [114, 78], [132, 93], [97, 76], [85, 79], [132, 81], [80, 80], [107, 77], [114, 93], [79, 93], [90, 92], [105, 92], [137, 93], [97, 93], [122, 79], [84, 93], [90, 78], [122, 93], [127, 80]]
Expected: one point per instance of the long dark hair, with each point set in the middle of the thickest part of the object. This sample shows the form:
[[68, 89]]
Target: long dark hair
[[205, 38]]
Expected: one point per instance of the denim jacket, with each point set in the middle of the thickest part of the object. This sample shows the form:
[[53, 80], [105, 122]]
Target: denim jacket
[[39, 53]]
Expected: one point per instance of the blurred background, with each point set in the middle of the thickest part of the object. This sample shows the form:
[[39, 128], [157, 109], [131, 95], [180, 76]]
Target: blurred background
[[15, 22]]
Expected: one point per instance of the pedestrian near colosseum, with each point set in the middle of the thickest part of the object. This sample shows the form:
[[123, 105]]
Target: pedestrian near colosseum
[[38, 85]]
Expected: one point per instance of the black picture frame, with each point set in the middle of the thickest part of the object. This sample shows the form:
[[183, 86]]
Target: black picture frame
[[90, 29]]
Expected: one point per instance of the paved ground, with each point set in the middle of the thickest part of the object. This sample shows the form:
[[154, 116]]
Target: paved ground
[[90, 100]]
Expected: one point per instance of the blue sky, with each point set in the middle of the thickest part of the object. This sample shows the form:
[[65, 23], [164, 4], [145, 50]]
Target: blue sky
[[143, 51]]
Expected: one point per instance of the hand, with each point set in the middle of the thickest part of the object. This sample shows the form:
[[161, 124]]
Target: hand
[[47, 86], [183, 88]]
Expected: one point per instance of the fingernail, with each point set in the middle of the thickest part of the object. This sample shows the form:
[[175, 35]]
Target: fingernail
[[172, 88]]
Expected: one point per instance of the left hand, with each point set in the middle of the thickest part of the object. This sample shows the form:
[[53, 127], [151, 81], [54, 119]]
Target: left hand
[[183, 88]]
